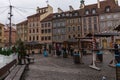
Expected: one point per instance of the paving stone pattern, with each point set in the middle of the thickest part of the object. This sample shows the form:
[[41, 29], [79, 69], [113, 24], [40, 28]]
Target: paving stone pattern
[[58, 68]]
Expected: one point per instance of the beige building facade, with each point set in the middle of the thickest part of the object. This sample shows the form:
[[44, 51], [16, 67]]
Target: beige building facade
[[46, 31], [34, 23], [22, 31]]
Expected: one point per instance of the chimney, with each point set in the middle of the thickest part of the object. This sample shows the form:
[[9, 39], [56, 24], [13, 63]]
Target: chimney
[[60, 10], [98, 1], [71, 8], [116, 1], [37, 10]]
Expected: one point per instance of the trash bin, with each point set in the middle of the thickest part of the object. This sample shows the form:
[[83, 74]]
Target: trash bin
[[99, 56], [118, 71], [65, 55], [76, 58]]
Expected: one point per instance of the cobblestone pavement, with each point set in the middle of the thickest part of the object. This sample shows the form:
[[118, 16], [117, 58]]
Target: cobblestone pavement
[[58, 68]]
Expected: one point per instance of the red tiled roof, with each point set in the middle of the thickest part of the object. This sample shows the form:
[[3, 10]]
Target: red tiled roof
[[23, 22], [7, 29]]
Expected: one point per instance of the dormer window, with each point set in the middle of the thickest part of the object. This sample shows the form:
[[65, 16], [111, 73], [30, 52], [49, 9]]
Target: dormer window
[[59, 15], [94, 11], [76, 14], [63, 15], [54, 16], [107, 9], [87, 12], [71, 14], [67, 14]]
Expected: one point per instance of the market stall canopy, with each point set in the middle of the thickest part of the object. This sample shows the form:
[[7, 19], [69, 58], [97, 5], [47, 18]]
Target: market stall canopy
[[72, 40], [84, 39], [117, 28], [104, 34], [33, 45]]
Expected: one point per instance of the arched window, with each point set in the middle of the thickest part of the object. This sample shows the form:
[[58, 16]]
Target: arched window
[[107, 9], [93, 11], [87, 12]]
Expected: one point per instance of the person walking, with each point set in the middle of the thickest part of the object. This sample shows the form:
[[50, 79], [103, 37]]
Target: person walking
[[117, 55]]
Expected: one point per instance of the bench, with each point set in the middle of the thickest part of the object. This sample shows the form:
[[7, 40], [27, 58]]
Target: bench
[[4, 71], [16, 73]]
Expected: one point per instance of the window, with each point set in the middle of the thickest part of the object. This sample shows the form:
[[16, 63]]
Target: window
[[37, 30], [93, 11], [76, 14], [59, 15], [73, 36], [36, 24], [68, 29], [54, 16], [109, 16], [45, 30], [49, 37], [73, 28], [33, 24], [78, 28], [95, 19], [45, 38], [102, 17], [90, 28], [87, 12], [42, 25], [42, 31], [107, 9], [0, 40], [37, 38], [84, 20], [70, 14], [67, 14], [30, 31], [48, 24], [33, 31], [33, 38], [49, 30], [69, 36], [78, 35], [95, 27], [30, 38], [90, 20], [42, 38], [45, 24], [63, 15]]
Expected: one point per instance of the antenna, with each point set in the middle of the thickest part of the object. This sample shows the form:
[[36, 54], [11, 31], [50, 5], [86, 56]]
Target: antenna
[[47, 2]]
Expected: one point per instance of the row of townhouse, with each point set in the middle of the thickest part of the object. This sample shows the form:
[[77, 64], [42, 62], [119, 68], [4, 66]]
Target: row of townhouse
[[1, 34], [48, 27], [4, 35]]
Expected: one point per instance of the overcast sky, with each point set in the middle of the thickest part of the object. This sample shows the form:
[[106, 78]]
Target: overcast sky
[[23, 8]]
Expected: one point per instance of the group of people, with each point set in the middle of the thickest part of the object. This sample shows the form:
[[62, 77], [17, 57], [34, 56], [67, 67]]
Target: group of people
[[59, 50], [62, 50]]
